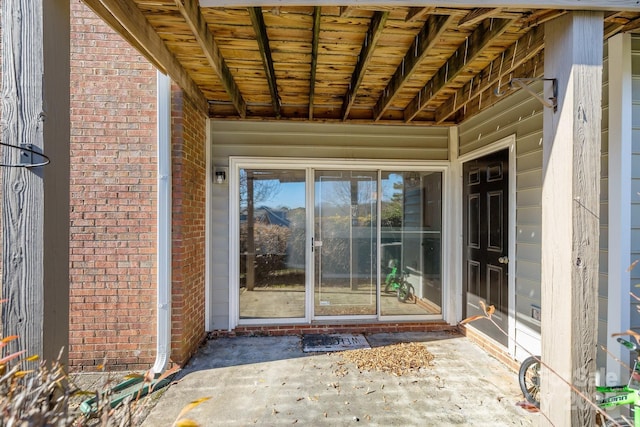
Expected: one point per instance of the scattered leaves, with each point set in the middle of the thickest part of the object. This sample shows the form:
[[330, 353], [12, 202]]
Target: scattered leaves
[[397, 359]]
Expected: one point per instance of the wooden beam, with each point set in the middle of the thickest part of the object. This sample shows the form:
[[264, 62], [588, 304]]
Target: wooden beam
[[525, 48], [416, 13], [99, 9], [477, 15], [315, 41], [193, 16], [466, 53], [429, 35], [633, 25], [35, 201], [628, 5], [262, 38], [134, 22], [364, 58], [533, 68], [570, 217], [539, 17]]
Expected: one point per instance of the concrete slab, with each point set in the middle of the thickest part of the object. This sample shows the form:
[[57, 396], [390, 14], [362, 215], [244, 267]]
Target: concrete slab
[[271, 381]]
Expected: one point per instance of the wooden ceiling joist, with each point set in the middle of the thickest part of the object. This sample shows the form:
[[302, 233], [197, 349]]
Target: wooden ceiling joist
[[632, 25], [477, 15], [111, 20], [134, 23], [466, 53], [429, 35], [416, 13], [315, 41], [525, 48], [533, 68], [260, 30], [366, 53], [191, 13]]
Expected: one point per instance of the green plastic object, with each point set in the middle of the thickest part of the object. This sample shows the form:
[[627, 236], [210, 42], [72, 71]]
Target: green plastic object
[[131, 387]]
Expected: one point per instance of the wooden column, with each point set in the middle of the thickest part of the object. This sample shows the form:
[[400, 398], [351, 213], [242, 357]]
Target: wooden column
[[570, 215], [35, 201]]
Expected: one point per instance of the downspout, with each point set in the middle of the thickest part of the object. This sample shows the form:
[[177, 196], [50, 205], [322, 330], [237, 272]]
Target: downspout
[[136, 386], [163, 338]]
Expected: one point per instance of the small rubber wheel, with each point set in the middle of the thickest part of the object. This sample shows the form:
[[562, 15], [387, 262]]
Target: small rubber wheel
[[529, 379], [403, 292]]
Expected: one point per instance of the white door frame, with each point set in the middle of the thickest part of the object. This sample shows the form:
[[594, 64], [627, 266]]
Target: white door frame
[[509, 143], [310, 164]]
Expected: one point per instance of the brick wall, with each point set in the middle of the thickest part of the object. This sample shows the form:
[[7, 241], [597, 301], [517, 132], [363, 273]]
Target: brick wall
[[113, 199], [189, 176]]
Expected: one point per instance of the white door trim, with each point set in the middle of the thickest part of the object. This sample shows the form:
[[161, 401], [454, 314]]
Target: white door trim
[[509, 143]]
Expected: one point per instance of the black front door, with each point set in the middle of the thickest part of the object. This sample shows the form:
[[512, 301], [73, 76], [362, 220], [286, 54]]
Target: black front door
[[486, 197]]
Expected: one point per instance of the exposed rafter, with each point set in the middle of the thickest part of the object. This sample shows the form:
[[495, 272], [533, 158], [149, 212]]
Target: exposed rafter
[[191, 13], [477, 15], [416, 13], [133, 22], [522, 50], [532, 68], [632, 25], [314, 57], [539, 17], [260, 30], [111, 20], [366, 53], [466, 53], [429, 35]]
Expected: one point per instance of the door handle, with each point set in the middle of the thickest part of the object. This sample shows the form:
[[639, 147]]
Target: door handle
[[503, 259]]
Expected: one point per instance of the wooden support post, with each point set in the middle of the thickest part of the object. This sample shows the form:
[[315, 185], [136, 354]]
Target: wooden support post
[[35, 201], [570, 216]]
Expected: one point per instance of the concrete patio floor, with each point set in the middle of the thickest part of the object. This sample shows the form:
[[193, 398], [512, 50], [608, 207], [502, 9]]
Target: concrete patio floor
[[271, 381]]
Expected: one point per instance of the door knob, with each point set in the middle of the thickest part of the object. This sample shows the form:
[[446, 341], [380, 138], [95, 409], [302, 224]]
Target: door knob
[[503, 260]]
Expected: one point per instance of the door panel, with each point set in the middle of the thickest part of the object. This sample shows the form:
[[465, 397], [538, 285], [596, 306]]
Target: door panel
[[272, 242], [345, 240], [486, 189]]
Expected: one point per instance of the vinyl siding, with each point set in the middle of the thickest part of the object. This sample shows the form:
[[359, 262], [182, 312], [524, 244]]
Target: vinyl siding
[[302, 140]]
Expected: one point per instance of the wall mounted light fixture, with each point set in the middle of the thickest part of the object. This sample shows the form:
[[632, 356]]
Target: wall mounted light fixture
[[220, 175]]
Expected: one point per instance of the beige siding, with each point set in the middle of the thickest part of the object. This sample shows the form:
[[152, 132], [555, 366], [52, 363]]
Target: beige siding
[[290, 139], [303, 140]]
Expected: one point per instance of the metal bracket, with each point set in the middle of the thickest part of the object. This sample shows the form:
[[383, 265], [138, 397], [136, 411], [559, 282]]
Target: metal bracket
[[522, 83]]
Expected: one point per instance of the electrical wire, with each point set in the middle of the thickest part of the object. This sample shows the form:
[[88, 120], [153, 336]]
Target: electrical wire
[[28, 150]]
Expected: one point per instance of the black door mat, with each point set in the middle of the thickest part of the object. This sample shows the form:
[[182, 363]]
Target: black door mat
[[333, 342]]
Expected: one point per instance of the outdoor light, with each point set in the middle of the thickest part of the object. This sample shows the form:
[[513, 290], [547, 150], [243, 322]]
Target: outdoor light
[[221, 177]]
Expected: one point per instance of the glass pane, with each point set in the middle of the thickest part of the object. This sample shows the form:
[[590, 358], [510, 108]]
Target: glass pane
[[411, 227], [272, 244], [345, 243]]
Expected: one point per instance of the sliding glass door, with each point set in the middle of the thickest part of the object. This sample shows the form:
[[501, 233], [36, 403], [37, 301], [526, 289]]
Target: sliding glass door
[[324, 243], [344, 243], [272, 242]]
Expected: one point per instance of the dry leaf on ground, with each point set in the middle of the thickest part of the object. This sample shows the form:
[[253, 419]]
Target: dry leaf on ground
[[396, 359]]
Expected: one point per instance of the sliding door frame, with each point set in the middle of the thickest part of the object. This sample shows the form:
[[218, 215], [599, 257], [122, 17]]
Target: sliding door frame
[[310, 165]]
